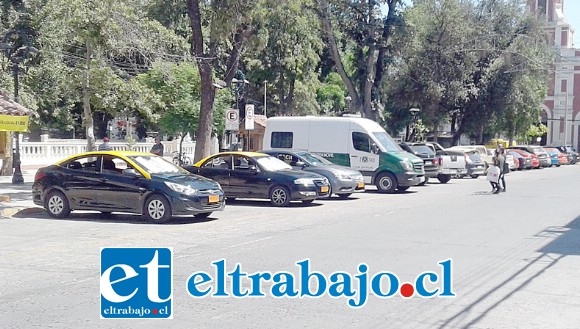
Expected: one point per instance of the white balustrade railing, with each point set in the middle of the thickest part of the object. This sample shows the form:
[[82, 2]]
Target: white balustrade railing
[[49, 151]]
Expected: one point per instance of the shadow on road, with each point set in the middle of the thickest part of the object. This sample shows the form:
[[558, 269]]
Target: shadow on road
[[565, 243], [96, 217], [267, 204]]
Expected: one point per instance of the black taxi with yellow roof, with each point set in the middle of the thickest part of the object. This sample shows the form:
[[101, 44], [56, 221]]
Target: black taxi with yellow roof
[[125, 181], [261, 176]]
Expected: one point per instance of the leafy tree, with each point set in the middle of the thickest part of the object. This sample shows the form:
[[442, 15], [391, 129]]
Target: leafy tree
[[97, 46], [176, 96], [217, 27], [366, 36], [466, 64], [285, 52]]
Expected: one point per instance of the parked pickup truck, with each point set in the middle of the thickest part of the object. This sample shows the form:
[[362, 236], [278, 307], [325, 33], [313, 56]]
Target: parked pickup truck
[[452, 163]]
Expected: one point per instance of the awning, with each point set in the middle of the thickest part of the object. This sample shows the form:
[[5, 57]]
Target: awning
[[13, 116]]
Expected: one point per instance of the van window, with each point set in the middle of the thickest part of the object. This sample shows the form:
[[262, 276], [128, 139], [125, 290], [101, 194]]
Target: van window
[[282, 139], [361, 142]]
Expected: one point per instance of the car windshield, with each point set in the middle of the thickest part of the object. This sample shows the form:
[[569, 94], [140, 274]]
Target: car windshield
[[474, 156], [422, 149], [387, 142], [314, 159], [272, 164], [156, 165]]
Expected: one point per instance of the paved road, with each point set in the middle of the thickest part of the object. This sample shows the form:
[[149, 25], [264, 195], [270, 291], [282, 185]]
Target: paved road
[[516, 258]]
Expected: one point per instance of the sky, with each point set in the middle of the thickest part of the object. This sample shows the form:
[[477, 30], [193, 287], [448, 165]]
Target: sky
[[572, 16]]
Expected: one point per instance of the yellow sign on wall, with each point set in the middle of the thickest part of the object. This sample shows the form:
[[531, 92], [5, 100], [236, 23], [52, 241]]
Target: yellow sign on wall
[[13, 123]]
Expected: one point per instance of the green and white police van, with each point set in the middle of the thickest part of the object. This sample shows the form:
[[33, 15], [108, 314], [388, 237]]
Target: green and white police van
[[359, 143]]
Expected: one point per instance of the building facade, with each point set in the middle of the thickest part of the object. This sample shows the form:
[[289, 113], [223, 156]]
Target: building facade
[[561, 107]]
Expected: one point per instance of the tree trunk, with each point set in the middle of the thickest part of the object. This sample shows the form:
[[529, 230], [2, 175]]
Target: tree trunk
[[7, 162], [331, 40], [204, 64], [87, 115]]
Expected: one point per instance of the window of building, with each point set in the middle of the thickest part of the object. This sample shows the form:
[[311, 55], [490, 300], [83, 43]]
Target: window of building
[[563, 85]]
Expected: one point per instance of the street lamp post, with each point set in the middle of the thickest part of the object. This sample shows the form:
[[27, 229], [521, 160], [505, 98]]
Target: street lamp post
[[348, 99], [16, 47], [414, 112], [240, 88]]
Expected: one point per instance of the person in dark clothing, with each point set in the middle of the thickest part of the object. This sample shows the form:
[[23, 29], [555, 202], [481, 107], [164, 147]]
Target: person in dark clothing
[[105, 146], [157, 149], [503, 168]]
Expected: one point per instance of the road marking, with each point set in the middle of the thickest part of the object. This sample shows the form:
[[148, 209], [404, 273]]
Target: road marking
[[244, 243]]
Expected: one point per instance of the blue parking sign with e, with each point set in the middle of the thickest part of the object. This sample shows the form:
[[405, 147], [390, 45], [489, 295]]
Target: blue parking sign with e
[[136, 283]]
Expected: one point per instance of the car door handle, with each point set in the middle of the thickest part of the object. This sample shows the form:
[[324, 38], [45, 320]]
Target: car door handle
[[354, 156]]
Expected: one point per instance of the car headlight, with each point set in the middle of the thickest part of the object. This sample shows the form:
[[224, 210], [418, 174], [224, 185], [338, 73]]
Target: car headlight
[[342, 176], [183, 189], [407, 165], [304, 181], [358, 178]]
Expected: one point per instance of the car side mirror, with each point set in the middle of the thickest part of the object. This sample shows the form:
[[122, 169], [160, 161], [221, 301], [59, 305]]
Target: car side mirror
[[253, 169], [131, 172], [300, 164], [375, 149]]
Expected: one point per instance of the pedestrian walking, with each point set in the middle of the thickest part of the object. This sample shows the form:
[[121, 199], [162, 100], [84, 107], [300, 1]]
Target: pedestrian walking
[[157, 148], [105, 146], [503, 167]]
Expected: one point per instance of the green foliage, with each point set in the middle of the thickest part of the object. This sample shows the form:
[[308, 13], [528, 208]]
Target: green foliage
[[536, 130], [174, 99]]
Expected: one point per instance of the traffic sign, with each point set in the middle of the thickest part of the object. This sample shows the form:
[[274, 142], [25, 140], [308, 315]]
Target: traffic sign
[[232, 119], [249, 122]]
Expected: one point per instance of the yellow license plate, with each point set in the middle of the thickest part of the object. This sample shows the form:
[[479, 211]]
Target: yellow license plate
[[324, 189], [214, 198], [361, 185]]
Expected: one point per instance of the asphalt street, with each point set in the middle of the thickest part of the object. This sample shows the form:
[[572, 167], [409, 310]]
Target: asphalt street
[[515, 257]]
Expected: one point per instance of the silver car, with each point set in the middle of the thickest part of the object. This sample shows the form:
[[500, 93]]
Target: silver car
[[343, 180]]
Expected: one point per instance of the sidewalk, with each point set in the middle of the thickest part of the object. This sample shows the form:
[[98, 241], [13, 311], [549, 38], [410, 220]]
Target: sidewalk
[[15, 198]]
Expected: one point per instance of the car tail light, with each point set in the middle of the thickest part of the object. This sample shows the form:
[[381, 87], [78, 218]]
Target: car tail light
[[39, 175], [434, 162], [440, 161]]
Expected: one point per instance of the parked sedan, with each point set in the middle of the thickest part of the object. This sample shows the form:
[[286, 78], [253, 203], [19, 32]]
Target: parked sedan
[[122, 181], [343, 180], [427, 153], [258, 175], [533, 159], [523, 162], [558, 158], [538, 151], [570, 151], [475, 165]]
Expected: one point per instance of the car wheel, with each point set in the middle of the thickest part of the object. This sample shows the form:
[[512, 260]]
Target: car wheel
[[202, 215], [308, 201], [279, 196], [386, 183], [474, 176], [57, 205], [344, 196], [443, 179], [403, 188], [157, 209]]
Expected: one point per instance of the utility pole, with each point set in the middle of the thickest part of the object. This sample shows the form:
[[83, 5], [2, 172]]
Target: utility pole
[[566, 117]]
